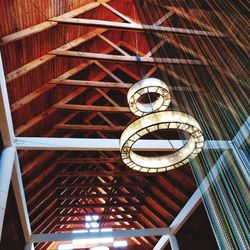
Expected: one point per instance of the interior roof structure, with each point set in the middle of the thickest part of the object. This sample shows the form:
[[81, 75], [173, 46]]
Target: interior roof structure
[[67, 76]]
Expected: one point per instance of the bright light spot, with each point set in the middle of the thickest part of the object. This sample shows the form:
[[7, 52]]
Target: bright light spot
[[121, 243], [94, 224], [88, 218], [87, 225], [99, 248], [95, 217], [94, 230], [107, 229], [80, 231], [65, 247]]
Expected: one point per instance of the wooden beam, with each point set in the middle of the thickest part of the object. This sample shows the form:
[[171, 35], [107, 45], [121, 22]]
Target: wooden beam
[[110, 85], [31, 96], [88, 160], [89, 108], [117, 213], [101, 173], [92, 84], [97, 196], [28, 67], [47, 24], [113, 45], [26, 32], [103, 221], [88, 127], [135, 27], [41, 60], [164, 18], [118, 13], [104, 205], [118, 58], [21, 129], [108, 72], [97, 185]]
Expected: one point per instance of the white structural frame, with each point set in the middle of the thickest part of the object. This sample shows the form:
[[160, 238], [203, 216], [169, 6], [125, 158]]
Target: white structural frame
[[9, 156]]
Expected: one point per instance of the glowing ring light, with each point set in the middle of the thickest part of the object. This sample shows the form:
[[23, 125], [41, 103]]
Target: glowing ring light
[[145, 86], [158, 121]]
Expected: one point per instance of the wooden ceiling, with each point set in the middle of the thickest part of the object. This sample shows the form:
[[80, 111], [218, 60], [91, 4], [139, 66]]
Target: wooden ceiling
[[71, 81]]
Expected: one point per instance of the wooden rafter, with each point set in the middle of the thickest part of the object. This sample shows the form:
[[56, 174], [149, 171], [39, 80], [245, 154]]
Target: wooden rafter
[[123, 58], [48, 24]]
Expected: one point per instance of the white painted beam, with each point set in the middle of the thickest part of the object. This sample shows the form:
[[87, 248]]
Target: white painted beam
[[38, 143], [173, 242], [162, 243], [29, 246], [6, 125], [114, 234], [21, 201], [6, 166]]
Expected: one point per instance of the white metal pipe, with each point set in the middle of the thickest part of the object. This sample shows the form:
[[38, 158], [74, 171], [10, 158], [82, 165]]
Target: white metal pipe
[[6, 125], [173, 242], [43, 143], [6, 167], [29, 246], [20, 200], [91, 235]]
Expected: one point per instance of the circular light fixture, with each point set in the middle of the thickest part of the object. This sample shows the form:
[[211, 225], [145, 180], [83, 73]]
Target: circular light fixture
[[159, 121], [148, 86]]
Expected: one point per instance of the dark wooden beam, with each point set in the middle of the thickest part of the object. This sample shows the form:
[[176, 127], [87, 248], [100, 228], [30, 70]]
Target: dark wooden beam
[[91, 84], [88, 127], [88, 160], [89, 108]]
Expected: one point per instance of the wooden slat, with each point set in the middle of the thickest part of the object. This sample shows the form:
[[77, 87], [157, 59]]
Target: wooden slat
[[89, 108], [88, 127], [136, 27], [118, 58]]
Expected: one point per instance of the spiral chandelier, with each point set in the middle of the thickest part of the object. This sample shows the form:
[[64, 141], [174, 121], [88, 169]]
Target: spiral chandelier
[[153, 117]]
